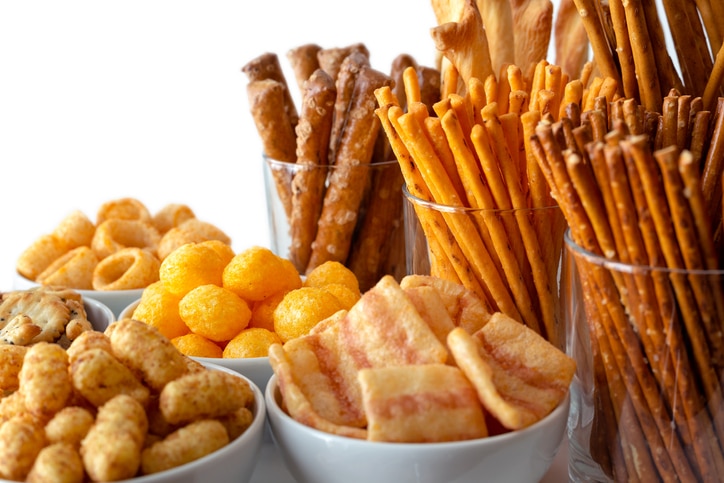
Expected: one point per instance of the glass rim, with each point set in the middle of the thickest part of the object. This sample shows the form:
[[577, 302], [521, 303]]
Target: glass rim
[[286, 164], [466, 209], [623, 267]]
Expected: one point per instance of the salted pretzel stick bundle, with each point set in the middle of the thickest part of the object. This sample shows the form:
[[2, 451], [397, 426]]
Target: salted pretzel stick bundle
[[627, 200]]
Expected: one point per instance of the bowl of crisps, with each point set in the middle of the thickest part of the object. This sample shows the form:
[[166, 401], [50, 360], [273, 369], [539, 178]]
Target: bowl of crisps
[[317, 456], [143, 419]]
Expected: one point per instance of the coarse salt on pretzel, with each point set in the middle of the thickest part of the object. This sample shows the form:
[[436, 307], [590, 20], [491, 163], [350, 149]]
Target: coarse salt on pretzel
[[115, 234], [126, 269]]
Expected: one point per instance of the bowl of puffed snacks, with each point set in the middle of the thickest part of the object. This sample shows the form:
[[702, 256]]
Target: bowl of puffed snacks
[[418, 381], [223, 307], [126, 405], [114, 255]]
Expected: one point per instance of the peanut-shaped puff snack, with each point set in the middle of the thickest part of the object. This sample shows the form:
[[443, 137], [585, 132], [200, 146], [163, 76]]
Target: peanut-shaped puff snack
[[44, 380], [57, 463], [20, 442], [205, 394], [147, 352], [112, 448]]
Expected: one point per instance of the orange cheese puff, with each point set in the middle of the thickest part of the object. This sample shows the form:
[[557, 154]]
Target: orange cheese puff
[[189, 266], [262, 312], [214, 312], [252, 342], [332, 272], [195, 345], [256, 273], [112, 448], [159, 308], [301, 309]]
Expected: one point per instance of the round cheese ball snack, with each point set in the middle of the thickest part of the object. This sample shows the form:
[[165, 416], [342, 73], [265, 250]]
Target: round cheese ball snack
[[126, 269], [214, 312], [190, 266], [74, 269], [256, 273]]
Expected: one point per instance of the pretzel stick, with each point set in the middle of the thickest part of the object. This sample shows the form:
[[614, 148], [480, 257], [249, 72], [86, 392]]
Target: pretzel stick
[[313, 130], [479, 197], [344, 194], [649, 87], [713, 23], [330, 60], [303, 60], [599, 44], [461, 226], [669, 119], [347, 72], [437, 232], [684, 115], [713, 85], [267, 66], [714, 165]]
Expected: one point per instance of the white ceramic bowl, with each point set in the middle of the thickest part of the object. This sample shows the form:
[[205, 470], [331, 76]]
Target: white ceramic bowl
[[116, 300], [257, 369], [314, 456], [99, 315]]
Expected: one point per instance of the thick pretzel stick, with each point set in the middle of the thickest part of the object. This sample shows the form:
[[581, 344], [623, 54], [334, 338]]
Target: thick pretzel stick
[[303, 60], [349, 177], [699, 137], [712, 22], [713, 85], [266, 101], [649, 87], [345, 81], [313, 131], [330, 59], [267, 66]]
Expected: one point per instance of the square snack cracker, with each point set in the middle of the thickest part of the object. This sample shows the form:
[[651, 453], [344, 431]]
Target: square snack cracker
[[519, 376], [421, 404], [318, 372], [465, 308]]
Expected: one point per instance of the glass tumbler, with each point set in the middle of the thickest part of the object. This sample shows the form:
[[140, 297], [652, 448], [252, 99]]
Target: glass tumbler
[[646, 400], [348, 214], [510, 258]]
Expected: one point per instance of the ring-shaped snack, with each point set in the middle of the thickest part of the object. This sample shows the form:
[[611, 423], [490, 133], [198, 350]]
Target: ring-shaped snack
[[74, 269], [190, 231], [39, 255], [124, 209], [172, 215], [126, 269], [115, 234], [76, 229]]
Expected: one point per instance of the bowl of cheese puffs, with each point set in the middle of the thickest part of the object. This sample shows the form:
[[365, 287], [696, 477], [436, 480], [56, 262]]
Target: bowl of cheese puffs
[[113, 255], [227, 307], [418, 382], [126, 405]]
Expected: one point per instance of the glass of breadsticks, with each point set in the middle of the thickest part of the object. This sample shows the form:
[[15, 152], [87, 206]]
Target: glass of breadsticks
[[644, 290]]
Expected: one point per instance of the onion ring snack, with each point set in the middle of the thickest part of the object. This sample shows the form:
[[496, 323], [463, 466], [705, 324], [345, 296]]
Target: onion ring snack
[[114, 234], [123, 209], [39, 255], [76, 230], [126, 269], [172, 215]]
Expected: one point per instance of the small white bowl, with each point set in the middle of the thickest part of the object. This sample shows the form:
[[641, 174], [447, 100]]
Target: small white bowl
[[99, 315], [116, 300], [258, 369], [315, 456]]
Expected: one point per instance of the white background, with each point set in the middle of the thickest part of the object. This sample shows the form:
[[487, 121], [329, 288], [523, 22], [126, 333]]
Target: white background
[[100, 100]]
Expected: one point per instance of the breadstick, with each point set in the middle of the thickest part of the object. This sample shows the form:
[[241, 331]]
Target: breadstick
[[344, 194], [267, 66], [266, 100], [428, 79], [599, 44], [330, 59], [629, 85], [345, 82], [397, 72], [313, 132], [303, 60], [649, 86], [714, 165], [713, 85]]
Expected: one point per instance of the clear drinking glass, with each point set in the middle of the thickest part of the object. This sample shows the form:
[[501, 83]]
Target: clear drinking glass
[[510, 258], [349, 214], [646, 399]]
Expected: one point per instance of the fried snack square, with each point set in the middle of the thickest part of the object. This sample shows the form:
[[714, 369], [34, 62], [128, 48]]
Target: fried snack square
[[519, 376], [421, 404], [318, 372]]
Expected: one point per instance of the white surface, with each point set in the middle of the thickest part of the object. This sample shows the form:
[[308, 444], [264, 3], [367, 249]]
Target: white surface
[[100, 100]]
